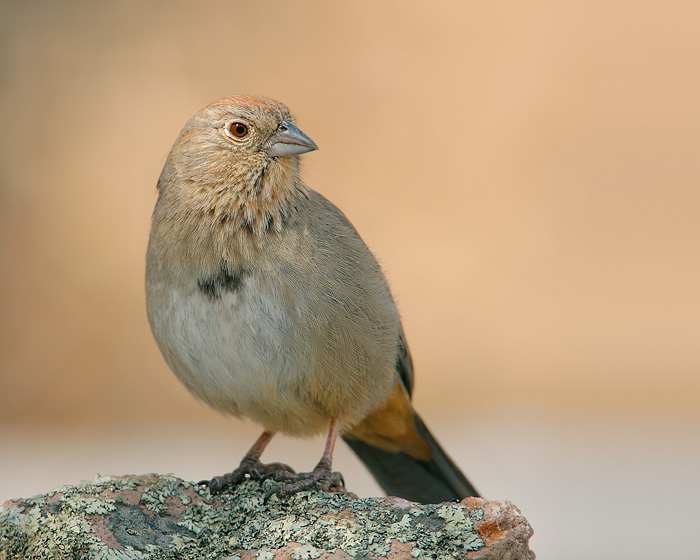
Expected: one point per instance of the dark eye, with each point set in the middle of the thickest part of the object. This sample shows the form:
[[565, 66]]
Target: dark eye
[[238, 129]]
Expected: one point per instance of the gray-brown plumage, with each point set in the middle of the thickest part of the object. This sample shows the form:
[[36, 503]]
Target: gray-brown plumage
[[267, 304]]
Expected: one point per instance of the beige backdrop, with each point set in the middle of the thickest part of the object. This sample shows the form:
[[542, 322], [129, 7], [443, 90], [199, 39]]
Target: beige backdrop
[[527, 174]]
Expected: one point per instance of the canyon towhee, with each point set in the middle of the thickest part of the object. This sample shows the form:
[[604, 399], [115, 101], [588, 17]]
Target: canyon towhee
[[266, 303]]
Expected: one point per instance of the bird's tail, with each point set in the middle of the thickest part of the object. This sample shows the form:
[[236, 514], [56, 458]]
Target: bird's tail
[[427, 477]]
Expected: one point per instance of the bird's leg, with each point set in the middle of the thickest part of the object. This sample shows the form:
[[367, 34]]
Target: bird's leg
[[250, 465], [321, 478]]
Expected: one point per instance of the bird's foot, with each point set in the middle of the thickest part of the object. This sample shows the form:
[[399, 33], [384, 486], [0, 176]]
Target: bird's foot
[[250, 466], [322, 478]]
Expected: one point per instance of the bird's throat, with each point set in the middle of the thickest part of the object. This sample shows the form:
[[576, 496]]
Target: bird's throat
[[253, 204]]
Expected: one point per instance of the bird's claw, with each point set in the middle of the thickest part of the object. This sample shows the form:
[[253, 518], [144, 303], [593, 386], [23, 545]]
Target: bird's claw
[[249, 466], [279, 475], [321, 479]]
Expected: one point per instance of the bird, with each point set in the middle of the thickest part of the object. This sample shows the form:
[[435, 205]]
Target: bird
[[267, 304]]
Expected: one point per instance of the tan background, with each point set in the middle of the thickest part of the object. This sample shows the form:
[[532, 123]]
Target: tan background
[[527, 173]]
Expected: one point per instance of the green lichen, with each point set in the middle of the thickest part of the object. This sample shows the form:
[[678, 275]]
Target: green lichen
[[90, 505]]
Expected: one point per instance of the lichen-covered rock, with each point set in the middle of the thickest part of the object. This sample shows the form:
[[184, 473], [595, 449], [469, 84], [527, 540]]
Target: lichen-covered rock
[[163, 517]]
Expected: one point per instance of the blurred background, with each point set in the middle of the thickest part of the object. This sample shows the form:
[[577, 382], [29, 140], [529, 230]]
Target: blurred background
[[527, 173]]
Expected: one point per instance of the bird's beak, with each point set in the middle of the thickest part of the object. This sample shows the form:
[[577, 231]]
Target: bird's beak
[[289, 140]]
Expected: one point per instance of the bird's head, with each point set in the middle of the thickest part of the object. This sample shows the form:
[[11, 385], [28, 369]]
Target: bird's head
[[245, 144]]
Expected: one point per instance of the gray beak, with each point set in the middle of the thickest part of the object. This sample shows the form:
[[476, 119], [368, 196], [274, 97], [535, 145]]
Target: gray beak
[[289, 140]]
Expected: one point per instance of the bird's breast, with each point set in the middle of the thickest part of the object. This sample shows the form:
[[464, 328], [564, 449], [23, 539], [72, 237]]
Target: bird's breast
[[223, 337], [263, 344]]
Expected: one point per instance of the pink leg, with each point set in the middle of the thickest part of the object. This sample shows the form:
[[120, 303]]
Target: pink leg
[[327, 457], [259, 446]]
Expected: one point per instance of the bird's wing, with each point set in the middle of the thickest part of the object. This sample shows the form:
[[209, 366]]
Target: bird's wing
[[404, 364]]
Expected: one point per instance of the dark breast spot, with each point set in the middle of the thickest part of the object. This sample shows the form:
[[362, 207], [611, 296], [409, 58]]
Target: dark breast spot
[[226, 280]]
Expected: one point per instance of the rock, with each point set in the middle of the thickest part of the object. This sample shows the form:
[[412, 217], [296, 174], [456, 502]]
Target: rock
[[164, 517]]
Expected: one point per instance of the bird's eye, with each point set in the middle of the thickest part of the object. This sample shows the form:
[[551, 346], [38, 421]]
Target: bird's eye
[[238, 129]]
